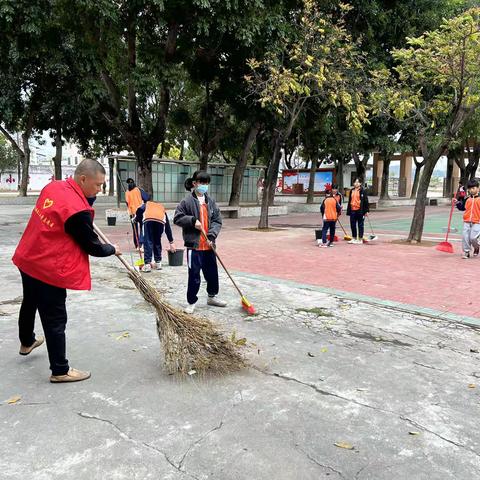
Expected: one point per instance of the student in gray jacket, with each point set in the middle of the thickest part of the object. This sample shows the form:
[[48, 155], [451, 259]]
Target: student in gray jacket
[[194, 212]]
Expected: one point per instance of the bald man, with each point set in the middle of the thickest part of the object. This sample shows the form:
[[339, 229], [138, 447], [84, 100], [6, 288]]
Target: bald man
[[53, 256]]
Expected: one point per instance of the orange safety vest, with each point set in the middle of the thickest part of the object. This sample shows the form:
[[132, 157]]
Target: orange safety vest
[[330, 209], [154, 212], [203, 244], [355, 202], [46, 252], [133, 199], [472, 210]]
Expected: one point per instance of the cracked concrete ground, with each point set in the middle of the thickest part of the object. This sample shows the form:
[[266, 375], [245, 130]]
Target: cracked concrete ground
[[400, 390]]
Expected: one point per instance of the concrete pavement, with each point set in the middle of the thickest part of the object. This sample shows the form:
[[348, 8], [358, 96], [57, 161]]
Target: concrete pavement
[[398, 390]]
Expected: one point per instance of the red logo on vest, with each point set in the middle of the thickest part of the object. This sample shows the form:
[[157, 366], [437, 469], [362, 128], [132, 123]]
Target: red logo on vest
[[46, 252]]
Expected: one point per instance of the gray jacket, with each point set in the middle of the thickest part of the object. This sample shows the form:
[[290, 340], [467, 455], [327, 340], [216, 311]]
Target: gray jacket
[[188, 212]]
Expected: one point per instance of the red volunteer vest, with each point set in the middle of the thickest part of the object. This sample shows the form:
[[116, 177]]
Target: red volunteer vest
[[46, 252]]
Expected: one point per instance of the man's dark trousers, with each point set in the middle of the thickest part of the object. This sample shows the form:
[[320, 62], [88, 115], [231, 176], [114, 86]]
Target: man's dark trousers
[[50, 303], [205, 261]]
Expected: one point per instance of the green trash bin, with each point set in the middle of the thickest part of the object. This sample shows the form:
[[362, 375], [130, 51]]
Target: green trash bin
[[175, 259]]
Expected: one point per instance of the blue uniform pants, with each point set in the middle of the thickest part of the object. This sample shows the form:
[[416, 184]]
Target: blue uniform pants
[[152, 241], [206, 262]]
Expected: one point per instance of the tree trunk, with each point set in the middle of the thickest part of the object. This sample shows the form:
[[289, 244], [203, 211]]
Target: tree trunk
[[237, 179], [416, 228], [339, 174], [272, 191], [203, 160], [144, 170], [25, 159], [57, 159], [311, 181], [448, 191], [360, 167], [416, 179], [182, 149], [270, 181], [385, 178], [111, 176]]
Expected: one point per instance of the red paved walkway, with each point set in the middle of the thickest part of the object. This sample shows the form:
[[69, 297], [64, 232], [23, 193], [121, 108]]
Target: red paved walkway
[[413, 275]]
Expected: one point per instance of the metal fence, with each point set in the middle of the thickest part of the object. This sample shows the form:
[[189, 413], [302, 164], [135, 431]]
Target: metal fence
[[168, 178]]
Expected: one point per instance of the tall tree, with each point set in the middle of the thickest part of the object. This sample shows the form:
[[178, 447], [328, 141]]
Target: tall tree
[[319, 61], [437, 92]]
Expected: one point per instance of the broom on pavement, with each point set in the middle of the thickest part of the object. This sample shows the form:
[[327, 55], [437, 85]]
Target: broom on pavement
[[347, 237], [189, 342], [246, 305], [446, 246], [372, 237]]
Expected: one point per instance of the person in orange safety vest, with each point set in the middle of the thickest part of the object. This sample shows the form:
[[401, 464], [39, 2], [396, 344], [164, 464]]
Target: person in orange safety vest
[[134, 198], [155, 221]]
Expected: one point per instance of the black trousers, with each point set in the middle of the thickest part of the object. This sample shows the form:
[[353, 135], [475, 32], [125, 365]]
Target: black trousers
[[357, 218], [206, 262], [50, 303]]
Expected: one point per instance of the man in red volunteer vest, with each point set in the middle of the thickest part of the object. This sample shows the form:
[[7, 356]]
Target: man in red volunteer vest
[[52, 256]]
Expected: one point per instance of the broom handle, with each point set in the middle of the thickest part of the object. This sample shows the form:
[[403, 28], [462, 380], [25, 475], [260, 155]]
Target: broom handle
[[105, 240], [370, 223], [131, 222], [223, 265], [340, 223], [450, 220]]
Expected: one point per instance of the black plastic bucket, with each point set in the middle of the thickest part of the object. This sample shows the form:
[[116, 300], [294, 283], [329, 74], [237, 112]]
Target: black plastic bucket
[[175, 259], [111, 221], [318, 234]]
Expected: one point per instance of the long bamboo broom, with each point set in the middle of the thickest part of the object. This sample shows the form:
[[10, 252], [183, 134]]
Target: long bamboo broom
[[189, 342]]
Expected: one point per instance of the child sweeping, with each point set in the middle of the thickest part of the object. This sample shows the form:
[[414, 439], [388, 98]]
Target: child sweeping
[[471, 219], [357, 208], [155, 222], [195, 212], [330, 209]]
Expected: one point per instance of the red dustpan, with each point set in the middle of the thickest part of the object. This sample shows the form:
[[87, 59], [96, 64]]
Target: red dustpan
[[446, 246]]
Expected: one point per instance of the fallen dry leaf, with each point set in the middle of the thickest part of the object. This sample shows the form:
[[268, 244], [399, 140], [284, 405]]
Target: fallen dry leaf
[[14, 399], [471, 385], [192, 372], [344, 445], [310, 354], [414, 433], [241, 342], [123, 335], [324, 350]]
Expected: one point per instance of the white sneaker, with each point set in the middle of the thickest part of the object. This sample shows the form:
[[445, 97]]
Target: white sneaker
[[215, 302], [352, 241], [323, 245], [158, 266], [147, 268], [190, 308]]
